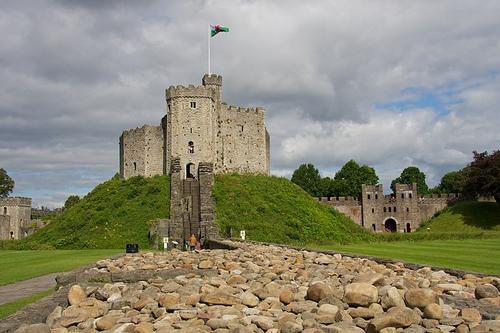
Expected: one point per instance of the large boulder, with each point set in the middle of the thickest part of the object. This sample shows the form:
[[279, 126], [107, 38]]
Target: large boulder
[[398, 317], [362, 294], [420, 298]]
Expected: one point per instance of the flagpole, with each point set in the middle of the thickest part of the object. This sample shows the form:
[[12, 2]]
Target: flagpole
[[209, 31]]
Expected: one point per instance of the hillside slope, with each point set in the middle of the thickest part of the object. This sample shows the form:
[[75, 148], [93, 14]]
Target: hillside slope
[[466, 217], [116, 212], [275, 210]]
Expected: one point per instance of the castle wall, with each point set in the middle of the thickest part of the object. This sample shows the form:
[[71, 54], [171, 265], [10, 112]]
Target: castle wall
[[346, 205], [5, 227], [242, 141], [141, 152], [18, 210]]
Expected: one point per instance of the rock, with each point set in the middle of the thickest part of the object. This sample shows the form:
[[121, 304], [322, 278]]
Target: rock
[[34, 328], [291, 327], [413, 328], [76, 295], [236, 279], [328, 314], [263, 322], [433, 311], [388, 330], [169, 300], [360, 312], [462, 329], [142, 302], [392, 298], [487, 326], [125, 328], [362, 294], [70, 316], [470, 315], [318, 291], [301, 306], [249, 299], [376, 279], [101, 294], [106, 322], [286, 296], [144, 327], [219, 298], [206, 264], [398, 317], [485, 291], [420, 298], [53, 316]]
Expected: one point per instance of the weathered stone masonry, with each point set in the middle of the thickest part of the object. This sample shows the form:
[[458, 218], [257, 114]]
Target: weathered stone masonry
[[198, 137], [15, 217], [402, 211]]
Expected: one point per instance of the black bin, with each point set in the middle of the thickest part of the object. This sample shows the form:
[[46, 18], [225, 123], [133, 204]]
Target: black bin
[[132, 248]]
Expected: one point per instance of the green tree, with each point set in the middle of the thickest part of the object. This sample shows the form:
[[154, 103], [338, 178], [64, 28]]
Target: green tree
[[308, 177], [6, 183], [327, 187], [484, 175], [453, 182], [409, 176], [71, 201], [351, 176]]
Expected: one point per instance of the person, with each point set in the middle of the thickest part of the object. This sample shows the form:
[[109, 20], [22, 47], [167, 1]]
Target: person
[[192, 242]]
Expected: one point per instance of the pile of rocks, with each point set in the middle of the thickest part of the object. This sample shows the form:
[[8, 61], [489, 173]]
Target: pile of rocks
[[260, 288]]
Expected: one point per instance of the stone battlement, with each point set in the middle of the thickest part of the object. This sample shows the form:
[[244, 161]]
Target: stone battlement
[[340, 201], [234, 108], [189, 91], [15, 201], [212, 80]]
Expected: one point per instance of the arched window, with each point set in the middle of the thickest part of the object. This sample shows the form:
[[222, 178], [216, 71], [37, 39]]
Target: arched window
[[373, 210], [368, 197], [408, 227], [394, 209], [409, 195], [12, 235], [190, 172], [5, 211], [374, 227], [407, 209], [389, 209], [191, 147], [385, 209], [376, 196]]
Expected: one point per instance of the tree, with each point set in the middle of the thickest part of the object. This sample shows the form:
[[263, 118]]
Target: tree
[[6, 183], [484, 175], [409, 176], [308, 177], [453, 182], [71, 201], [327, 187], [351, 176]]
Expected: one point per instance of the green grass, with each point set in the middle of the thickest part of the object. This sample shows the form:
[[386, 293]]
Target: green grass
[[116, 212], [273, 209], [466, 217], [477, 255], [9, 308], [22, 265]]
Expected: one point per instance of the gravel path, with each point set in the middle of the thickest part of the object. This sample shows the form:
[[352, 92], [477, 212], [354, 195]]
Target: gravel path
[[11, 292]]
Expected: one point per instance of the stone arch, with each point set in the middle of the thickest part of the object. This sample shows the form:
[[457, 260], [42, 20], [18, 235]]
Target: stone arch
[[390, 224], [190, 171]]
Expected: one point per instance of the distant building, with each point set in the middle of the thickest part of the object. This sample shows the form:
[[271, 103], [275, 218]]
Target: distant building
[[15, 217], [402, 211]]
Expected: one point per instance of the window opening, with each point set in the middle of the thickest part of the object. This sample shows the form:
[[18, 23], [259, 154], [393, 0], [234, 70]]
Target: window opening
[[407, 209], [385, 210], [368, 197], [193, 105], [5, 211], [190, 147], [373, 210], [408, 227], [409, 195], [389, 209], [394, 209], [190, 171], [376, 196], [402, 195], [241, 128], [374, 227], [135, 166]]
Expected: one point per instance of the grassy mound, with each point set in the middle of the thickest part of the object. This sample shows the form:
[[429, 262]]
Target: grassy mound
[[116, 212], [275, 210], [466, 217]]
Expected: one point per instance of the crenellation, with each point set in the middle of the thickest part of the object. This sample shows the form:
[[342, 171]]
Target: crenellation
[[188, 92]]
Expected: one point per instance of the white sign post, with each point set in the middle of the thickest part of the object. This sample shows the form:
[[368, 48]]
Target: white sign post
[[242, 234], [165, 244]]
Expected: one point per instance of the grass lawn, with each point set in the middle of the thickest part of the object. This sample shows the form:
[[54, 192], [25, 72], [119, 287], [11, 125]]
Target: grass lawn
[[23, 265], [9, 308], [477, 255]]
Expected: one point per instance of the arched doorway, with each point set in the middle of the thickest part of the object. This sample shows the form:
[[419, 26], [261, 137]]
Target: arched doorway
[[408, 227], [190, 171], [390, 225]]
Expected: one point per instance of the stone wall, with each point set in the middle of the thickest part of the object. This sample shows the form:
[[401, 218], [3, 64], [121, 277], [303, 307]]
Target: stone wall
[[19, 211], [141, 152], [402, 211], [5, 227]]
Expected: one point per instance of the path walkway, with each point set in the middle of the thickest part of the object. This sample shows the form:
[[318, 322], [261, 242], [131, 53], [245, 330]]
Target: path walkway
[[11, 292]]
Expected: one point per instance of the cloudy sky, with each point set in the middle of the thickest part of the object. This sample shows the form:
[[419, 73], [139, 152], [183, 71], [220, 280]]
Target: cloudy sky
[[387, 83]]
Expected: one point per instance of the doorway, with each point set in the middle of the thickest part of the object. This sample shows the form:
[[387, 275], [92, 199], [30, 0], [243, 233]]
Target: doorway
[[390, 225]]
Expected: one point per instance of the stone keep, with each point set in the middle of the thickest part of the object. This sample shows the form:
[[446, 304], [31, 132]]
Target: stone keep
[[15, 217], [198, 127]]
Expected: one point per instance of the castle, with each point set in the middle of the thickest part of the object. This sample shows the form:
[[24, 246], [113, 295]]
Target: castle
[[198, 137], [15, 217], [402, 211], [198, 127]]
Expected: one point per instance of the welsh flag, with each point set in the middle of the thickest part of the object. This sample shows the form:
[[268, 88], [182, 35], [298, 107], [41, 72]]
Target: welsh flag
[[215, 29]]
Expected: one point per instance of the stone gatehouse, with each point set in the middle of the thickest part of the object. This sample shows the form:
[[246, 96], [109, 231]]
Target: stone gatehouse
[[402, 211], [15, 217]]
